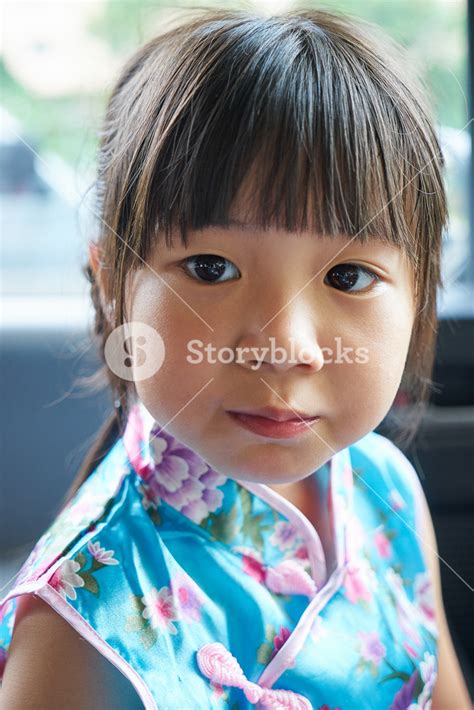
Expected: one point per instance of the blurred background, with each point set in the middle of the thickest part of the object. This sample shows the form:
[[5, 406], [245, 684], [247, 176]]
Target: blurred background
[[57, 63]]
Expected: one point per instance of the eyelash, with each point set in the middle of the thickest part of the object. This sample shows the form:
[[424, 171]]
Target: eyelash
[[210, 257]]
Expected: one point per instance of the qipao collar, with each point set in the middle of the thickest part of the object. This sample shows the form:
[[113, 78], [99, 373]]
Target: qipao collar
[[278, 543]]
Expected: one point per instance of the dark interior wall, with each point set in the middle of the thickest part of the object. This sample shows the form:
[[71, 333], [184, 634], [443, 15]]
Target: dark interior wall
[[46, 427]]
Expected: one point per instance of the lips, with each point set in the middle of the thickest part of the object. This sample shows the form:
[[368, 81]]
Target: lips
[[277, 415], [264, 426]]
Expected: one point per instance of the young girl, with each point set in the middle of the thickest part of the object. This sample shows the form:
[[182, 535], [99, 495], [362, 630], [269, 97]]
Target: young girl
[[271, 208]]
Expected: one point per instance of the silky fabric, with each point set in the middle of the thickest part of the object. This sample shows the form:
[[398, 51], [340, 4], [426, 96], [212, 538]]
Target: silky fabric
[[210, 592]]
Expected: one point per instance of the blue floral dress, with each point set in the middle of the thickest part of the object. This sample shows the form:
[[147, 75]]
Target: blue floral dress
[[210, 592]]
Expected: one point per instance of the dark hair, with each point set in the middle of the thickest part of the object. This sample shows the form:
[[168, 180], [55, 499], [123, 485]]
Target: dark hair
[[324, 113]]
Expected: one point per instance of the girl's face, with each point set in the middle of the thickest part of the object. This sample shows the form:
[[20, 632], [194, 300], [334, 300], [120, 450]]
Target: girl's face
[[344, 332]]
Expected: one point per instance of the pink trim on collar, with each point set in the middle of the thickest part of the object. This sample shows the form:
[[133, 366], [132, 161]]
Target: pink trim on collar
[[135, 438], [301, 523], [341, 486]]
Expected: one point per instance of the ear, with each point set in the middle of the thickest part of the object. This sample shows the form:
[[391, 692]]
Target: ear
[[95, 257], [97, 266]]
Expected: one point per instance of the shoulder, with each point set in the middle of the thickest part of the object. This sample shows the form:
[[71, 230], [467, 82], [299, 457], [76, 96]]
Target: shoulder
[[385, 468], [380, 452], [398, 483], [89, 507], [31, 678], [379, 464], [52, 568], [388, 492]]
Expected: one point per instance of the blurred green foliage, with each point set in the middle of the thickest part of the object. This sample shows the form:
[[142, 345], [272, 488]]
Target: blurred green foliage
[[433, 30]]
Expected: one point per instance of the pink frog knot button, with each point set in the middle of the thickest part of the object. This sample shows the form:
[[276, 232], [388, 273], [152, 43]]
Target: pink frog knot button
[[289, 577], [220, 666]]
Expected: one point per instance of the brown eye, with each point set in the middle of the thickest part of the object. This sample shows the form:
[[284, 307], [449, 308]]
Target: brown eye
[[350, 278], [208, 267]]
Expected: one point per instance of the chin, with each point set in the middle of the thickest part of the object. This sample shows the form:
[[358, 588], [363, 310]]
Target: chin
[[271, 467]]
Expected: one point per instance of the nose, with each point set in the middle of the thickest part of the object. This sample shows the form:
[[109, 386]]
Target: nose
[[280, 338]]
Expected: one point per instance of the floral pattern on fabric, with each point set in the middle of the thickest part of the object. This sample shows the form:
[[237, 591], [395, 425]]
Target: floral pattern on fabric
[[160, 611], [416, 692], [274, 642], [82, 571], [181, 478]]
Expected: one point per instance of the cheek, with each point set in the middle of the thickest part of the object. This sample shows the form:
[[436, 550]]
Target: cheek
[[370, 381], [388, 335], [176, 386], [382, 329]]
